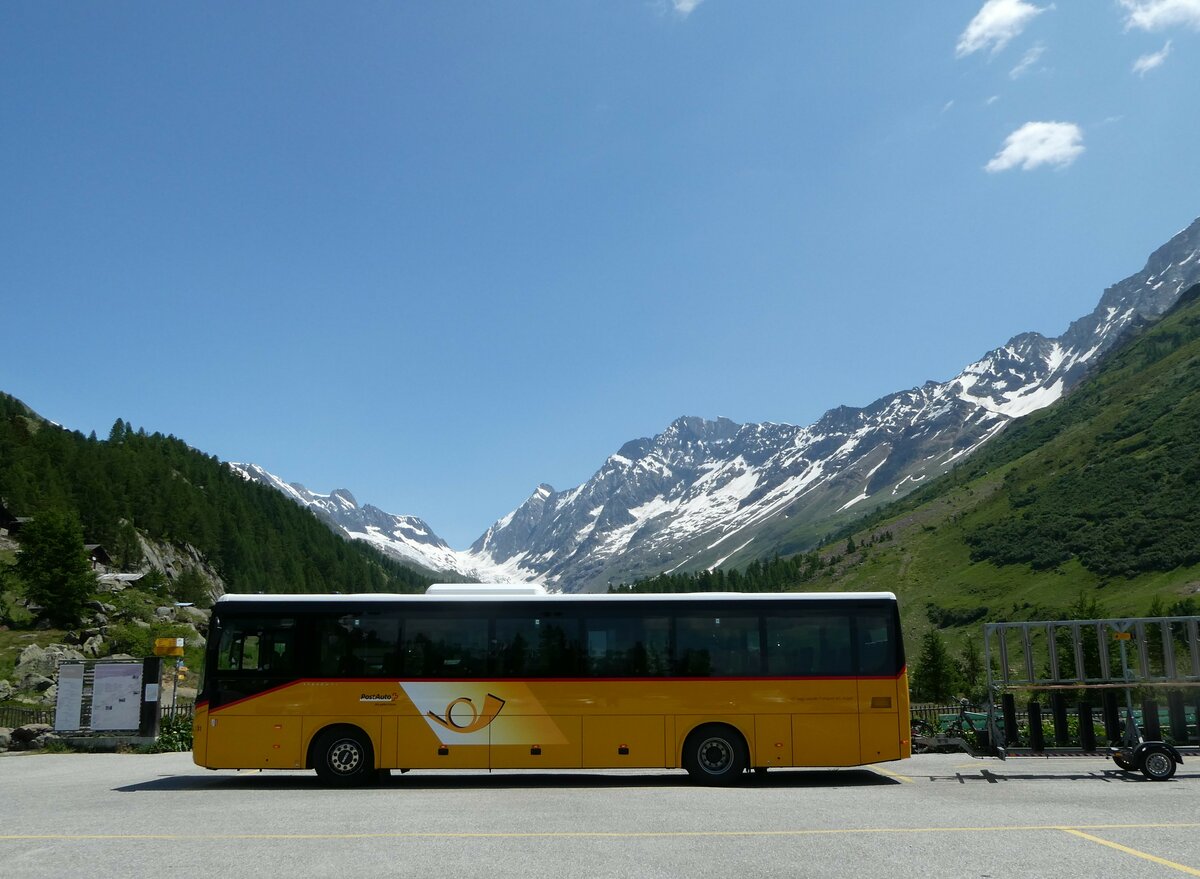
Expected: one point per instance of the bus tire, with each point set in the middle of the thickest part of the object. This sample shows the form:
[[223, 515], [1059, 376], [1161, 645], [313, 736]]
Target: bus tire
[[343, 757], [715, 754]]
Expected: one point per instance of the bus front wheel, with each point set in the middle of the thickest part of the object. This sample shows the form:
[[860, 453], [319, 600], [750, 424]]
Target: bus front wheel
[[342, 756], [715, 754]]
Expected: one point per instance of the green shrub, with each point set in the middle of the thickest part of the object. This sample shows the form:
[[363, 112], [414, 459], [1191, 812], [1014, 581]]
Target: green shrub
[[175, 734]]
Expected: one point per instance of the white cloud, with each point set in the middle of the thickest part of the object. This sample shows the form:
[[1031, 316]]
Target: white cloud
[[996, 23], [1155, 15], [1039, 143], [993, 99], [1155, 59], [685, 7], [1032, 57]]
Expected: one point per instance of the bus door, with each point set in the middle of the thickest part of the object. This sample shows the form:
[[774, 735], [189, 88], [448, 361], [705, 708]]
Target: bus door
[[254, 706]]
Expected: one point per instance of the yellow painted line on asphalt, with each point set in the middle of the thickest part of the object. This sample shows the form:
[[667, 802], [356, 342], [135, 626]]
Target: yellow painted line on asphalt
[[1191, 871], [577, 834], [890, 774]]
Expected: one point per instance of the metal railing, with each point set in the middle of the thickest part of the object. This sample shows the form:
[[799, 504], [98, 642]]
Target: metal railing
[[932, 713], [13, 716]]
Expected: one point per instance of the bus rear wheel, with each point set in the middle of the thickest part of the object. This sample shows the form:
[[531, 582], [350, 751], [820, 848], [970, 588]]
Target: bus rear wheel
[[715, 754], [343, 757]]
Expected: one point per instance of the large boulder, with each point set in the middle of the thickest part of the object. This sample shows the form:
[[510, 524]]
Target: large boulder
[[31, 681], [45, 660], [198, 617], [38, 666], [23, 737], [5, 738], [6, 690], [93, 647]]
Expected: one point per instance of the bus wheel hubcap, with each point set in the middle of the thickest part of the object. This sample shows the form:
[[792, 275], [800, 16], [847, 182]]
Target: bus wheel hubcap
[[344, 757], [715, 755]]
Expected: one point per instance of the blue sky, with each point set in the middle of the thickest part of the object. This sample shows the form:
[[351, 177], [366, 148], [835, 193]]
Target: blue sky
[[437, 253]]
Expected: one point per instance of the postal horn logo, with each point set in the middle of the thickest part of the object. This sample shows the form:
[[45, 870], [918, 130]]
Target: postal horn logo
[[460, 722]]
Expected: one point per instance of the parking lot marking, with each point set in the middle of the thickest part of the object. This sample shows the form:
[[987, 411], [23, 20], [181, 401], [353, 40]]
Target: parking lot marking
[[1191, 871], [598, 834], [890, 774]]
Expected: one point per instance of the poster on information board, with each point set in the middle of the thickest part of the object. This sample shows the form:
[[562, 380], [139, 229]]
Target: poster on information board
[[117, 696], [68, 707]]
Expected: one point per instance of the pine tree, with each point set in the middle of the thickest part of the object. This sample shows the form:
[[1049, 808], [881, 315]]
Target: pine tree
[[935, 678], [128, 549], [970, 668], [193, 586], [54, 566]]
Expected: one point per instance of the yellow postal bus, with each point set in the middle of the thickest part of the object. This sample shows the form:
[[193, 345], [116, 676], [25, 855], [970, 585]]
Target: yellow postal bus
[[464, 678]]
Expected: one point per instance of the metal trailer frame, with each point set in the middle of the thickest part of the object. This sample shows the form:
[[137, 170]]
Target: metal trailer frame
[[1158, 661]]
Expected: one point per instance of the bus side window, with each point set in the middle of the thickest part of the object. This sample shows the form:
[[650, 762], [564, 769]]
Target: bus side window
[[725, 646], [813, 645], [257, 645], [627, 646], [229, 657], [876, 653], [445, 646], [359, 645]]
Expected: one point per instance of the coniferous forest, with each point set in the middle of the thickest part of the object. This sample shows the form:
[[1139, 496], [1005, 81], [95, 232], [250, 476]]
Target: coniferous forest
[[257, 539]]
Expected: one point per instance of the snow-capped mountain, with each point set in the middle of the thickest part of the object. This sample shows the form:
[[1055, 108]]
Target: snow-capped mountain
[[704, 492], [406, 538]]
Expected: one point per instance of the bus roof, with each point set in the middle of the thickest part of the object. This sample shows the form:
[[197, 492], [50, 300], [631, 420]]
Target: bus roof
[[391, 597]]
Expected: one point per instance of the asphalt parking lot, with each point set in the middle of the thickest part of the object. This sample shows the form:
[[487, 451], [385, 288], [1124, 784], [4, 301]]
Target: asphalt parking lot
[[932, 815]]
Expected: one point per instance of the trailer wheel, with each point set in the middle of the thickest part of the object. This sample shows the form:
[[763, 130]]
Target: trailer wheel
[[1158, 765]]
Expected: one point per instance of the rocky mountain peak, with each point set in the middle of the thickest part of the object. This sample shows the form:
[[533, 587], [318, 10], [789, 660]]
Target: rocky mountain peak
[[703, 492]]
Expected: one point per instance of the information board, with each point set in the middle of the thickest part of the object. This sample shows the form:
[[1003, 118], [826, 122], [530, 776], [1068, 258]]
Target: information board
[[117, 696]]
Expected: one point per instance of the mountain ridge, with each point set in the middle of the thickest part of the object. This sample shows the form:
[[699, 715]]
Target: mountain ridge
[[704, 493], [637, 515]]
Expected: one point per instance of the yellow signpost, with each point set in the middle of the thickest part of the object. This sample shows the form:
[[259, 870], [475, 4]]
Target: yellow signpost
[[168, 647]]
